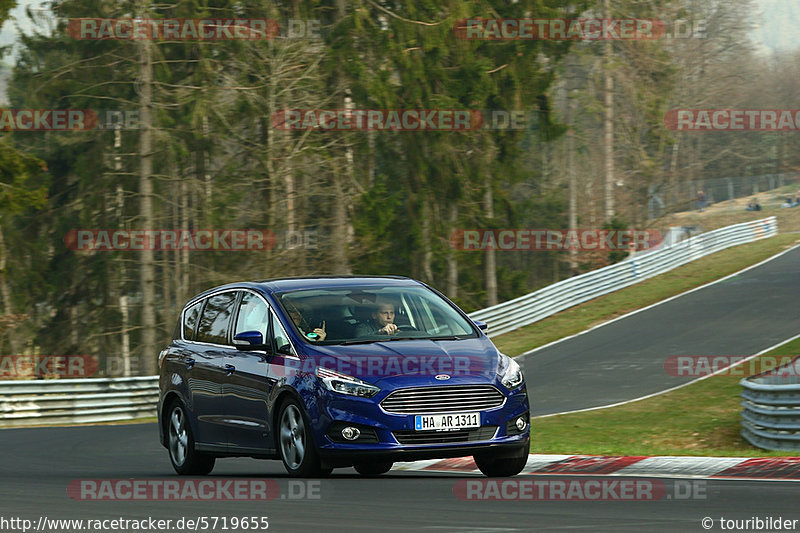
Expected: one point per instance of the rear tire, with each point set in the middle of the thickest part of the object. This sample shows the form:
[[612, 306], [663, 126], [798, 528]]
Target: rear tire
[[297, 449], [373, 468], [502, 467], [180, 441]]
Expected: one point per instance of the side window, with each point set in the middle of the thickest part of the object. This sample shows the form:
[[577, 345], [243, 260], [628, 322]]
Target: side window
[[426, 314], [190, 320], [253, 315], [216, 316], [282, 344]]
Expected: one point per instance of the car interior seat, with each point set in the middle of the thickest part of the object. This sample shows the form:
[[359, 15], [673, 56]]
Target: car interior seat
[[340, 324]]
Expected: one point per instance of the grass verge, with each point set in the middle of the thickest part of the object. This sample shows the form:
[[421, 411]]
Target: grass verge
[[703, 418]]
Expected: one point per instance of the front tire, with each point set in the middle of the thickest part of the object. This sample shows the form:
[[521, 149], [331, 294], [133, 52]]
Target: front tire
[[502, 467], [184, 458], [298, 452]]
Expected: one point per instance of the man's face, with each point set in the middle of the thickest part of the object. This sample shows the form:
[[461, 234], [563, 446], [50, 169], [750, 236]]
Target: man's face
[[384, 315]]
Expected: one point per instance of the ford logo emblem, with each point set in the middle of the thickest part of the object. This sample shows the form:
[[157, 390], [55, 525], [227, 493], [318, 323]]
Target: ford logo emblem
[[442, 377]]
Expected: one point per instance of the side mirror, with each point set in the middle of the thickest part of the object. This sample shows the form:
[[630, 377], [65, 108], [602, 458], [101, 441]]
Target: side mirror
[[249, 340], [483, 326]]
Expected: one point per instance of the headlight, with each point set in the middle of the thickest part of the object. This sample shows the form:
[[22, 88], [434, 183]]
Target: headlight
[[336, 382], [510, 371]]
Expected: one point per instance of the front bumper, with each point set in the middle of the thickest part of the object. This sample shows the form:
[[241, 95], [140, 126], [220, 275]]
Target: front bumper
[[391, 437], [508, 448]]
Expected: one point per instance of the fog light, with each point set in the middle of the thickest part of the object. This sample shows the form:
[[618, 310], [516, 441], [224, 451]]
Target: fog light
[[350, 433], [521, 423]]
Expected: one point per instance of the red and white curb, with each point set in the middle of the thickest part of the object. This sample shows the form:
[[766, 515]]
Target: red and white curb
[[781, 468]]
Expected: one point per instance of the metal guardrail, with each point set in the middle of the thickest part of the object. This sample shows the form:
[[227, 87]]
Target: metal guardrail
[[76, 401], [771, 408], [73, 401], [552, 299]]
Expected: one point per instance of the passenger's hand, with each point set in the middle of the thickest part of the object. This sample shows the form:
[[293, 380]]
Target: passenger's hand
[[321, 334]]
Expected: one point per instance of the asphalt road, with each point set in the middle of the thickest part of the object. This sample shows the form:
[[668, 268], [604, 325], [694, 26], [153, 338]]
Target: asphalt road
[[623, 360], [39, 465]]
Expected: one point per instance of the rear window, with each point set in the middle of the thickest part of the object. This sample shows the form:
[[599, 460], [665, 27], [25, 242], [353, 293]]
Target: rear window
[[190, 320], [213, 327]]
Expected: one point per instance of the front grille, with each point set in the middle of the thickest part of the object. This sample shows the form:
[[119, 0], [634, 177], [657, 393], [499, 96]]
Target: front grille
[[445, 437], [449, 399]]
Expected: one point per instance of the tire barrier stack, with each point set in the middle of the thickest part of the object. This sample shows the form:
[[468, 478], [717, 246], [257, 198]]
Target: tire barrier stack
[[771, 414]]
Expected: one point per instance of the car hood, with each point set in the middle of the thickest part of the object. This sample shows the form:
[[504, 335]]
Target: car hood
[[426, 359]]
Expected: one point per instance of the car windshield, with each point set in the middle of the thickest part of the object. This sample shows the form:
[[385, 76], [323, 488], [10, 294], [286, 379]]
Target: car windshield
[[355, 315]]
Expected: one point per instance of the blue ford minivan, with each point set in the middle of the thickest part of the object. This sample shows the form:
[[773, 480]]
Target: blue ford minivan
[[331, 372]]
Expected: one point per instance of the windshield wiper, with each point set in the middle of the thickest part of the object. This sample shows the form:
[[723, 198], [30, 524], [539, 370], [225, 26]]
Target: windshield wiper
[[382, 339], [357, 341], [387, 339]]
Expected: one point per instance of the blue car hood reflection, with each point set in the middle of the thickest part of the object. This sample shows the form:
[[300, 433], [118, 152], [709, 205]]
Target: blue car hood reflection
[[410, 358]]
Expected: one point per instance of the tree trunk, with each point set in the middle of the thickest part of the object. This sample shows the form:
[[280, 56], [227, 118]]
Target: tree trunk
[[148, 352], [452, 262], [674, 190], [125, 336], [341, 231], [339, 238], [8, 310], [573, 187], [183, 273], [291, 197], [609, 125], [490, 266], [427, 253]]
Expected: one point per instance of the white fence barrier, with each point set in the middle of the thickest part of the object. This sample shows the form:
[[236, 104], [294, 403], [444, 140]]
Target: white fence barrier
[[72, 401], [76, 401], [552, 299]]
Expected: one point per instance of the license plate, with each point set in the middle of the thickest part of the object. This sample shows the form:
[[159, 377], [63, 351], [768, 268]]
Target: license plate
[[448, 421]]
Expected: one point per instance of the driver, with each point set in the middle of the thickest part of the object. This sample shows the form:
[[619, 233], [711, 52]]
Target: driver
[[380, 323]]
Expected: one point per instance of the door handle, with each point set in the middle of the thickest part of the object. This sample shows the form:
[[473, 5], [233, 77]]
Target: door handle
[[229, 369], [189, 362]]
